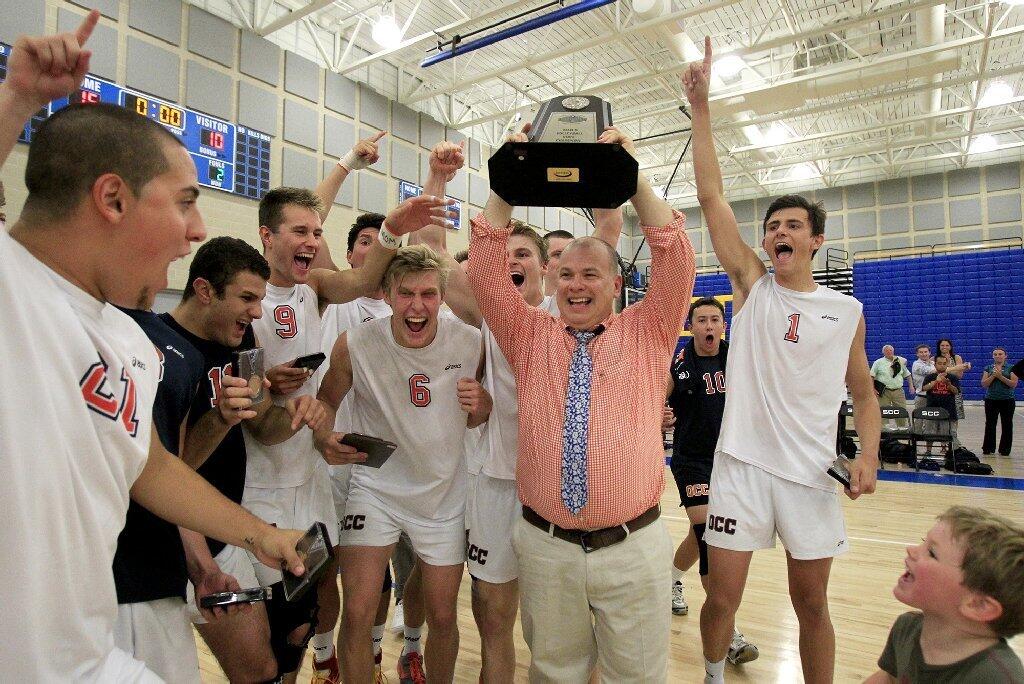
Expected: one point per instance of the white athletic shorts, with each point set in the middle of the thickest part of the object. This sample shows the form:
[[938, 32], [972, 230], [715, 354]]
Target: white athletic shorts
[[749, 506], [232, 561], [492, 508], [369, 521], [294, 508], [159, 634], [340, 477]]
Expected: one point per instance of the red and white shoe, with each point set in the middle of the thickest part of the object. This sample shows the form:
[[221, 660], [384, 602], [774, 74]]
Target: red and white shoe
[[326, 672], [410, 669]]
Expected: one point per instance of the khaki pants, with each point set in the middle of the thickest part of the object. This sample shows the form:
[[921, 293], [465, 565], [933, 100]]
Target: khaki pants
[[608, 608], [894, 397]]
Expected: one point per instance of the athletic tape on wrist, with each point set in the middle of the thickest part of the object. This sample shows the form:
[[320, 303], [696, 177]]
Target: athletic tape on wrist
[[387, 238], [353, 162]]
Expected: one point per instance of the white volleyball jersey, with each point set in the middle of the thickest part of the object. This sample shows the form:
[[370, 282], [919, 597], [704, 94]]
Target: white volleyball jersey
[[78, 384], [409, 397], [499, 443], [290, 328], [340, 318], [788, 353]]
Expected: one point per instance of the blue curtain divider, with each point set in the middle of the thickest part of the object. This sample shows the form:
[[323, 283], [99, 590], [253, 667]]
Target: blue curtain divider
[[975, 299]]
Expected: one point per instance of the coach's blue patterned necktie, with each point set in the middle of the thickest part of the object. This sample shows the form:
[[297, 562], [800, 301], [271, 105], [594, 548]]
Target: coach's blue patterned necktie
[[577, 425]]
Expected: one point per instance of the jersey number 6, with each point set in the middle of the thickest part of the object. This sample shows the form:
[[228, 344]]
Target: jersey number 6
[[419, 393]]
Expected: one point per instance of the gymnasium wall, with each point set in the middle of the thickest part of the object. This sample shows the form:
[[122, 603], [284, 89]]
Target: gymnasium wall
[[965, 205], [185, 55], [974, 298]]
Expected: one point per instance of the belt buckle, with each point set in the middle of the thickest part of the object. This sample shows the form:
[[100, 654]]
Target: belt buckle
[[587, 548]]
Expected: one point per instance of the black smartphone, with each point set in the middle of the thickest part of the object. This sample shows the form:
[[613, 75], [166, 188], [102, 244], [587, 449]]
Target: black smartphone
[[316, 552], [377, 450], [231, 598], [248, 364], [839, 472], [310, 361]]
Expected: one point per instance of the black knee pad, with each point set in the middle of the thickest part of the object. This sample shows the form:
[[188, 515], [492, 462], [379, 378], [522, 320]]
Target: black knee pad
[[387, 579], [702, 549], [284, 617]]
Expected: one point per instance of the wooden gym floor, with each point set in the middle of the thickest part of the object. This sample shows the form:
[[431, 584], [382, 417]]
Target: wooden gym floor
[[861, 601]]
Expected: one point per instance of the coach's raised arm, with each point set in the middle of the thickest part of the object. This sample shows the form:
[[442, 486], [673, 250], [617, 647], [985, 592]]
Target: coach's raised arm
[[591, 463]]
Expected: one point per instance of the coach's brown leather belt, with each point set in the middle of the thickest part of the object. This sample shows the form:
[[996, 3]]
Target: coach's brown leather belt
[[593, 540]]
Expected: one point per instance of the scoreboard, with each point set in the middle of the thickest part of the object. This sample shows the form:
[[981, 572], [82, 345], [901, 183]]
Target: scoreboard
[[407, 190], [227, 157]]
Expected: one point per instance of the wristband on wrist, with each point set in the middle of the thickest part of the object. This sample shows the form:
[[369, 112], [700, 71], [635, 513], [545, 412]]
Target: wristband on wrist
[[387, 238]]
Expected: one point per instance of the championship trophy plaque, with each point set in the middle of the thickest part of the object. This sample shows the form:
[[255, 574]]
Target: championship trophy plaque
[[563, 165]]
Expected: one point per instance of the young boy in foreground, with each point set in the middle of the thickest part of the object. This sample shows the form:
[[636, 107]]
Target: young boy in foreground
[[967, 580]]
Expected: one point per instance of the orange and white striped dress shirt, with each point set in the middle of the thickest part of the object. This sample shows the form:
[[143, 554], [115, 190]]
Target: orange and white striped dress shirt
[[625, 454]]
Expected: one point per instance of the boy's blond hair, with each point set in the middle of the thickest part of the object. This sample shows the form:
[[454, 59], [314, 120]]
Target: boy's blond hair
[[993, 562], [414, 259]]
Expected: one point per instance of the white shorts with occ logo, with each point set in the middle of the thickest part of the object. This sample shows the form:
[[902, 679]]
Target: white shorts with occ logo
[[492, 508], [295, 508], [749, 506], [369, 521]]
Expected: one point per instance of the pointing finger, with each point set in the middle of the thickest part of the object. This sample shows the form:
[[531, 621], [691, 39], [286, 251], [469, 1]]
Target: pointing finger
[[85, 29]]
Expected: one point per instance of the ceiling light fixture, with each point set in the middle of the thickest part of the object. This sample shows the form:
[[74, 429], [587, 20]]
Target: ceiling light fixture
[[776, 134], [802, 172], [983, 143], [386, 31], [729, 66], [997, 93]]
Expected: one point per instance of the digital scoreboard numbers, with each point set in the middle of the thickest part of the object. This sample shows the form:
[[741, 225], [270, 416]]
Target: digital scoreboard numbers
[[407, 190], [227, 157]]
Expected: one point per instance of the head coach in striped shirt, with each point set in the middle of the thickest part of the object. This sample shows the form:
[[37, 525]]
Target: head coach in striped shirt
[[594, 557]]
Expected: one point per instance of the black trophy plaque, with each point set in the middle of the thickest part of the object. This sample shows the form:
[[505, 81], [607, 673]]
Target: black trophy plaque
[[563, 165]]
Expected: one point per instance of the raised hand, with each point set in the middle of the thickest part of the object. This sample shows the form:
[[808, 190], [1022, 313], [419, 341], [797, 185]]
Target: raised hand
[[612, 134], [416, 212], [364, 153], [697, 77], [521, 136], [44, 68], [447, 158]]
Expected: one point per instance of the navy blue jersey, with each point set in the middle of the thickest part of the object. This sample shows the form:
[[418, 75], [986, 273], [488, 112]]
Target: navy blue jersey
[[225, 468], [149, 563], [698, 400]]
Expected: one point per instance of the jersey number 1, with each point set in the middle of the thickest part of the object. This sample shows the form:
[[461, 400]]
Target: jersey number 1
[[794, 325]]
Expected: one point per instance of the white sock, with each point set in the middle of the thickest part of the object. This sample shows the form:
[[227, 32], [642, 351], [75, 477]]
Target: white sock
[[412, 640], [714, 673], [323, 646], [677, 575], [378, 636]]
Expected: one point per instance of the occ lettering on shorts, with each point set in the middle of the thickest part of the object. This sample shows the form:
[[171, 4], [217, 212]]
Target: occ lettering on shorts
[[354, 522], [475, 554], [719, 523], [695, 490]]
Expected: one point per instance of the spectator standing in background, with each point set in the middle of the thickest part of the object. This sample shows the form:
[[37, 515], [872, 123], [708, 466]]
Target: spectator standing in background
[[942, 388], [924, 365], [999, 403], [955, 365], [891, 371]]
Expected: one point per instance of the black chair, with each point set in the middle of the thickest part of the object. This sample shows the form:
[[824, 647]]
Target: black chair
[[900, 435], [931, 425]]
